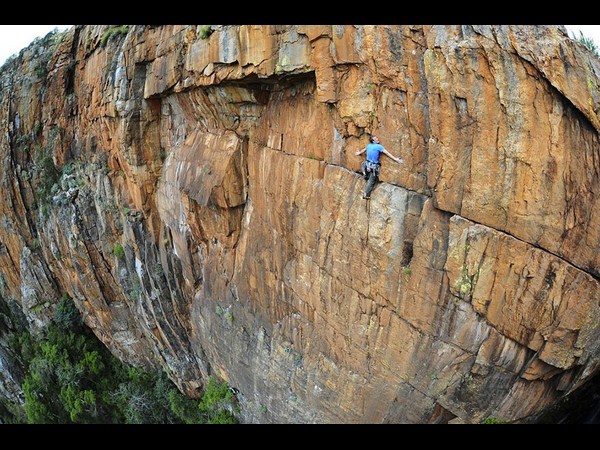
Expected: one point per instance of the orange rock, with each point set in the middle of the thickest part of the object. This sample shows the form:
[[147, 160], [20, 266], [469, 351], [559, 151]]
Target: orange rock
[[222, 162]]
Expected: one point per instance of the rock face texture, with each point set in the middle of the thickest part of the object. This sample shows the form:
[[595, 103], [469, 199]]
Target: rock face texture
[[195, 191]]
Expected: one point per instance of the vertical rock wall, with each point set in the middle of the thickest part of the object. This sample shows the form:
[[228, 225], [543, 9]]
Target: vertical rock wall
[[224, 168]]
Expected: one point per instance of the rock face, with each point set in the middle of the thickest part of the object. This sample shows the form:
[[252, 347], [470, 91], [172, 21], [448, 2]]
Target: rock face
[[195, 191]]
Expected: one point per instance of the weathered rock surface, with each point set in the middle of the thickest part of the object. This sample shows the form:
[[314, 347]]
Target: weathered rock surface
[[468, 287]]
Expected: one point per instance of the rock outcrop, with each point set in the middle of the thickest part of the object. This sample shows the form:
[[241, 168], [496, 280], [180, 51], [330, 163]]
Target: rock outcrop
[[195, 190]]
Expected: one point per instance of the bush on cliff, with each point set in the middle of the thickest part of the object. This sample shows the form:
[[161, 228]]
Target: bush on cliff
[[73, 378], [589, 43], [113, 31]]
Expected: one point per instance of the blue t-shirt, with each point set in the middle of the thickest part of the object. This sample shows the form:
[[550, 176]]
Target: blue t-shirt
[[373, 152]]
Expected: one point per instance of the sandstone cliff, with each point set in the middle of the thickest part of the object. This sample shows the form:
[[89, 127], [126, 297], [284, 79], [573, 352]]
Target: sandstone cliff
[[195, 191]]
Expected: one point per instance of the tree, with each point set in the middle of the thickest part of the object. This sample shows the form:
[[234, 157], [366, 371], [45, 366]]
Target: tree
[[73, 378]]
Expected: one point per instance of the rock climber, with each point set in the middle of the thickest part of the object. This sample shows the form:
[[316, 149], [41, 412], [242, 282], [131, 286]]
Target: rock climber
[[370, 167]]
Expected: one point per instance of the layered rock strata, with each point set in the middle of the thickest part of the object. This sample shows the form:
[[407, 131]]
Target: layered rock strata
[[195, 190]]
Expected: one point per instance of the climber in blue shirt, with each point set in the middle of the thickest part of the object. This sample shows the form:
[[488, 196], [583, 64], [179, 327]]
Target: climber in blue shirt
[[370, 167]]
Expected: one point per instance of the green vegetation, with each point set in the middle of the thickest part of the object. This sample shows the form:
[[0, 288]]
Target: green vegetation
[[589, 43], [22, 142], [71, 377], [113, 31], [45, 211], [49, 43], [213, 406], [465, 283], [118, 251], [204, 31], [48, 174], [37, 128], [493, 420], [43, 48], [66, 315], [41, 68]]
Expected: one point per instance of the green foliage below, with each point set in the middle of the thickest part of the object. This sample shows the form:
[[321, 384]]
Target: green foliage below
[[493, 420], [66, 315], [71, 377], [214, 401], [113, 31]]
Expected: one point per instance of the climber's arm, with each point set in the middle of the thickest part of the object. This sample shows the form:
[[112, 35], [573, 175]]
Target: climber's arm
[[398, 160]]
